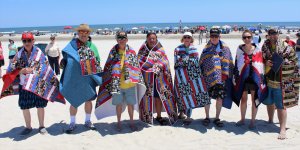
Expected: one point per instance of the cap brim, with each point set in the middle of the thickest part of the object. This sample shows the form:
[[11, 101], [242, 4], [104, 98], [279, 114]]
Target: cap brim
[[84, 29]]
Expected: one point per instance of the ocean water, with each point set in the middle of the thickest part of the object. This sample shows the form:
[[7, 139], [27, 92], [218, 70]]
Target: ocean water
[[155, 25]]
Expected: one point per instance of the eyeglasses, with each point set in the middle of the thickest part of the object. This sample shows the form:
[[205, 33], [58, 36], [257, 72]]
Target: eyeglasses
[[186, 37], [83, 32], [247, 37], [27, 41], [214, 36]]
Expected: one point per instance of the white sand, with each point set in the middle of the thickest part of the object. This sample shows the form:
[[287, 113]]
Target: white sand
[[194, 136]]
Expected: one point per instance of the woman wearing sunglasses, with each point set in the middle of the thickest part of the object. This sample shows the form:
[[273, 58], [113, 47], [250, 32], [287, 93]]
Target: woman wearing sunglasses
[[249, 77], [53, 52], [190, 89]]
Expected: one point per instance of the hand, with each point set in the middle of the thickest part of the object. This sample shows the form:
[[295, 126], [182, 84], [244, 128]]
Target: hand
[[269, 63], [26, 70]]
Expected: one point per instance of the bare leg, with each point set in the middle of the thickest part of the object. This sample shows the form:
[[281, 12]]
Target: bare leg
[[41, 116], [254, 111], [282, 117], [218, 108], [158, 107], [243, 108], [271, 111], [119, 112], [88, 107], [130, 112], [27, 118], [207, 110], [73, 111]]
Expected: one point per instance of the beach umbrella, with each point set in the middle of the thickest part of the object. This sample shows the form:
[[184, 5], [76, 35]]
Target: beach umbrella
[[135, 28], [167, 28], [186, 28], [67, 27], [99, 29], [217, 27], [202, 28], [252, 29], [176, 28], [117, 28]]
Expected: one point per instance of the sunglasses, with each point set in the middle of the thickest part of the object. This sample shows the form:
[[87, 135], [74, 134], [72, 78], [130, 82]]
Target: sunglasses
[[27, 41], [187, 37], [121, 38], [214, 36], [83, 32], [273, 33], [247, 37]]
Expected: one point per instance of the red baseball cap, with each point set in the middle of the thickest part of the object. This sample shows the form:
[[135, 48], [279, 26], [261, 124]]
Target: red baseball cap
[[27, 35]]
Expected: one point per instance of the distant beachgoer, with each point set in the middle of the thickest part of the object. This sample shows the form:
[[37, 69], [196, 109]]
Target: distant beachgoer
[[289, 41], [31, 63], [12, 49], [282, 88], [81, 76], [217, 67], [298, 47], [156, 72], [256, 38], [201, 36], [1, 59], [207, 36], [123, 83], [189, 85], [247, 79], [53, 52]]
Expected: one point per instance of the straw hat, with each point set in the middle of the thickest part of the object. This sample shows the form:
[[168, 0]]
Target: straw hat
[[84, 27]]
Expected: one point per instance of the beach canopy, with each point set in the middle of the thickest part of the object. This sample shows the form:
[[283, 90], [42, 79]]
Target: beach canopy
[[135, 28], [117, 28], [167, 28], [216, 27], [186, 28], [202, 28], [68, 27]]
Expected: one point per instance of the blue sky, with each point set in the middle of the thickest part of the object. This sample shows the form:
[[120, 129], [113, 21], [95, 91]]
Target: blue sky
[[27, 13]]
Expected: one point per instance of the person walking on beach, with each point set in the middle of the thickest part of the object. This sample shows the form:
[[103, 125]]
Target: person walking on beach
[[80, 77], [189, 86], [201, 36], [53, 53], [12, 49], [27, 67], [281, 71], [256, 38], [158, 79], [123, 82], [217, 67], [1, 59], [207, 36], [248, 78]]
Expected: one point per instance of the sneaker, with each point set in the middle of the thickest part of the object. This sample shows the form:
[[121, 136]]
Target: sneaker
[[71, 128], [42, 130], [26, 131], [89, 125]]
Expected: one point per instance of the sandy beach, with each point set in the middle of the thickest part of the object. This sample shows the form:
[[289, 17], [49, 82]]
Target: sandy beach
[[194, 136]]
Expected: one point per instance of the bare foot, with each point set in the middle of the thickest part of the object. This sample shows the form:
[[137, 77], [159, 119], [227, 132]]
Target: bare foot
[[119, 127], [240, 123], [187, 121], [133, 127], [270, 122], [282, 135]]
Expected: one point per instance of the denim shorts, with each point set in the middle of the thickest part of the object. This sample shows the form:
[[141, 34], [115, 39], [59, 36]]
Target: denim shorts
[[274, 97], [126, 96]]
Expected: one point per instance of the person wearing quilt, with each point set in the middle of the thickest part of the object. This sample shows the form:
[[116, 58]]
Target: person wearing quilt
[[283, 83], [189, 86], [123, 83], [30, 76], [81, 75], [217, 67], [249, 77], [158, 79]]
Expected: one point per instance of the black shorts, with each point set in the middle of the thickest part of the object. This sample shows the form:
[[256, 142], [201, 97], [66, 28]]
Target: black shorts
[[29, 100], [217, 91], [11, 57], [1, 63]]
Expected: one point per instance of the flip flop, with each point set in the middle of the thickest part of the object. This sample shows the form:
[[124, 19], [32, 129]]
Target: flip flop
[[218, 123], [206, 122]]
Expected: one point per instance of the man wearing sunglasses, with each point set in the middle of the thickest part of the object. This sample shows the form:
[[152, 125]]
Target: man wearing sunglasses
[[217, 67], [281, 71], [81, 75]]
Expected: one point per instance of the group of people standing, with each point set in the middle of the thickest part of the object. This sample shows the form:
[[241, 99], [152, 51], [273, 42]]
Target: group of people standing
[[143, 80]]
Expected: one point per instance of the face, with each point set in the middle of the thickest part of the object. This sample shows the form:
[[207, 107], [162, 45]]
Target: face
[[151, 40], [287, 38], [28, 43], [247, 38], [214, 39], [52, 39], [83, 35], [187, 40], [273, 36], [122, 41]]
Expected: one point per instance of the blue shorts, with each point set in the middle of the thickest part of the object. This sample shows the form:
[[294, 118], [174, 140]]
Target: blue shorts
[[274, 97], [127, 96]]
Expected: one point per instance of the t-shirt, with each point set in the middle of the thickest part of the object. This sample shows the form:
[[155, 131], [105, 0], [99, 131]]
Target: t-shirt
[[12, 52], [298, 43], [123, 83], [291, 43], [52, 50]]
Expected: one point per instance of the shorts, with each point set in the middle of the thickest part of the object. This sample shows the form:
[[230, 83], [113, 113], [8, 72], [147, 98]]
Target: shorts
[[127, 96], [1, 63], [250, 86], [29, 100], [217, 91], [11, 56], [274, 97]]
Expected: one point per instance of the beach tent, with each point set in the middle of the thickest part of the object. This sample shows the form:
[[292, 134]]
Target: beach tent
[[135, 28], [186, 28]]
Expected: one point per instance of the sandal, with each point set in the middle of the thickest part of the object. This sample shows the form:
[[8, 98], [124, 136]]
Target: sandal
[[206, 122], [187, 121], [218, 123], [26, 131], [42, 130], [161, 121]]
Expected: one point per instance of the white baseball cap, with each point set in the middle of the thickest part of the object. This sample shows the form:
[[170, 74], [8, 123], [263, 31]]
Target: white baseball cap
[[188, 34]]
